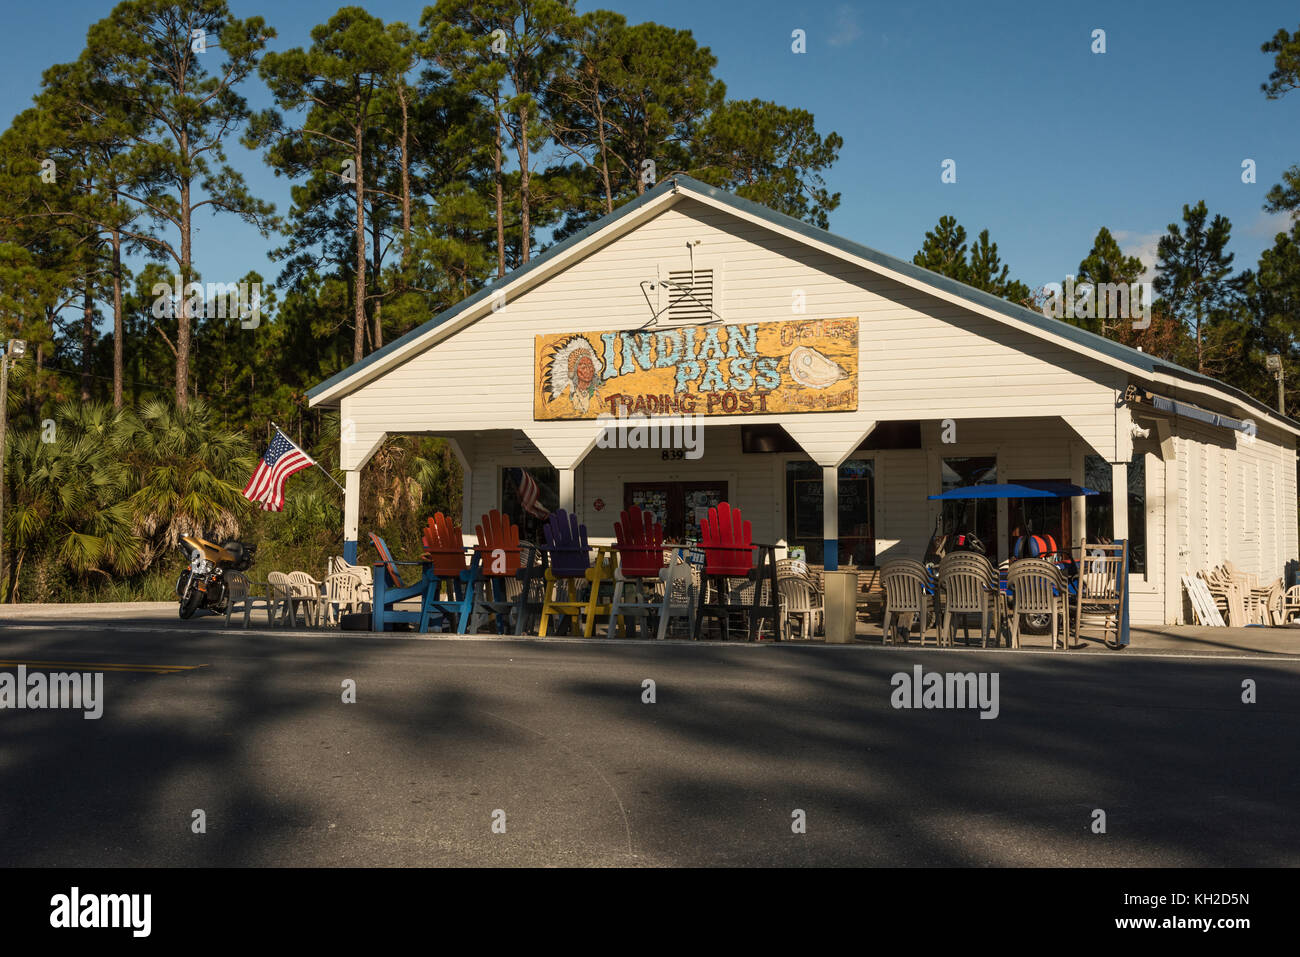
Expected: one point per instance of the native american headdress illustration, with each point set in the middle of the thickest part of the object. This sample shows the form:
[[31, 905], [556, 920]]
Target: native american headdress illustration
[[575, 368]]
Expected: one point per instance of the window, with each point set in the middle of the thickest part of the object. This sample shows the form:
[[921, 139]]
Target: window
[[978, 515], [544, 487], [804, 513], [1098, 508]]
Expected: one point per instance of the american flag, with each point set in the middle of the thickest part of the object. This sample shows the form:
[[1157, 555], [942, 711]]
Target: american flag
[[281, 460], [528, 495]]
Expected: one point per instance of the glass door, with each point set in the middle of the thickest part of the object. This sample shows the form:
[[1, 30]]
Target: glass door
[[680, 506]]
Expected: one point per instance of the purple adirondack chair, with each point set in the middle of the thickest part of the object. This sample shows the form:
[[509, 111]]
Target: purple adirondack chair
[[566, 544]]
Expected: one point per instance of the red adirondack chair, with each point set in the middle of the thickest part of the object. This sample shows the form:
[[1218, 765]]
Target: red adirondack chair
[[443, 546], [640, 544], [727, 541], [496, 533], [729, 554]]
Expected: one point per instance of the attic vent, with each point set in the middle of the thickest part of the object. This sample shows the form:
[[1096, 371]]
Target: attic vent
[[690, 295]]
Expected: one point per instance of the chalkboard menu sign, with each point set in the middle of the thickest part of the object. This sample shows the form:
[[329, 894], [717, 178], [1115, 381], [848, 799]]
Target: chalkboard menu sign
[[855, 506], [808, 508], [855, 499]]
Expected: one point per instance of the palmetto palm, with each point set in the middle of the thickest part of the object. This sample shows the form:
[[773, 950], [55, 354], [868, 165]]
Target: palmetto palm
[[188, 474], [68, 494]]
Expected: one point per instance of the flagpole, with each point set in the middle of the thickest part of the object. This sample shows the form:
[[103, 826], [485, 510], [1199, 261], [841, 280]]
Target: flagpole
[[313, 461]]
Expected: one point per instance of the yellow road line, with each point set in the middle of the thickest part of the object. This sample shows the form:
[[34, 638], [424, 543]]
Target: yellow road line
[[101, 666]]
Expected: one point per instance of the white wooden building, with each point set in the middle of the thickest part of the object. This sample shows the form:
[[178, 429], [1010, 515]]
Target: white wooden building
[[952, 386]]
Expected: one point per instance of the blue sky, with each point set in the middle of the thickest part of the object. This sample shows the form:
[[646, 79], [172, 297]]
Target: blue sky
[[1050, 140]]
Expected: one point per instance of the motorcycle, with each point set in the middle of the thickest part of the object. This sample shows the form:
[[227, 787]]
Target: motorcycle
[[941, 545], [203, 583]]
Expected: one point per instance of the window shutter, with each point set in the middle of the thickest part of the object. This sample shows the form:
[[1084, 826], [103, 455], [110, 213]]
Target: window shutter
[[690, 296]]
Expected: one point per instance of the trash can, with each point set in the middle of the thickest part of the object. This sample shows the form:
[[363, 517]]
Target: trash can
[[840, 602]]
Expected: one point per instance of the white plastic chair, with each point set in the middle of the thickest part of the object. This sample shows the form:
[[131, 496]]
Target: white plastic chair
[[342, 594], [307, 593], [240, 592], [968, 586], [279, 594], [681, 584], [1039, 589], [905, 582], [671, 595], [799, 599], [336, 565]]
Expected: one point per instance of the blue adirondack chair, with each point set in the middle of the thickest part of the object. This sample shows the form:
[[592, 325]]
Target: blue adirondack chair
[[448, 582], [390, 589]]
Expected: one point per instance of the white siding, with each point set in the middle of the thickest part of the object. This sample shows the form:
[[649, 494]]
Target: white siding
[[921, 357], [1238, 500], [904, 522]]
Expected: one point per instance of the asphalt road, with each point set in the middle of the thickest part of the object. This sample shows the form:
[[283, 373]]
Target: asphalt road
[[556, 735]]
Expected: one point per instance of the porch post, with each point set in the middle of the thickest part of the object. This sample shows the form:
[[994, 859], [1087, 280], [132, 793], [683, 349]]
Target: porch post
[[566, 490], [1174, 536], [830, 517], [1119, 500], [351, 514]]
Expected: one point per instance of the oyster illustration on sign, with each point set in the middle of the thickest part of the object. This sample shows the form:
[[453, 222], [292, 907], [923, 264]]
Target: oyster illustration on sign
[[574, 368], [810, 368]]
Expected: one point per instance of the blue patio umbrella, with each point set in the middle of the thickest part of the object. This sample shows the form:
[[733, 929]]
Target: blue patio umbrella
[[1026, 489]]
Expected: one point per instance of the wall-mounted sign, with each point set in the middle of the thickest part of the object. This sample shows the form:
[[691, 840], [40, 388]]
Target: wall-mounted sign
[[753, 368]]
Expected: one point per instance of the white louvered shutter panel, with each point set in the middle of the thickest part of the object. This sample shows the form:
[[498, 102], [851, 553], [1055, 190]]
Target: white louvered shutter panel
[[690, 297]]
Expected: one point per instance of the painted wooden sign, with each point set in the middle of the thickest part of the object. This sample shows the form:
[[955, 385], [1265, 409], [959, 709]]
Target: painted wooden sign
[[753, 368]]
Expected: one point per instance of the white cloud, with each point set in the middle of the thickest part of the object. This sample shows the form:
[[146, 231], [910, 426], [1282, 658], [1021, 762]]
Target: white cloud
[[1141, 245], [846, 28], [1269, 225]]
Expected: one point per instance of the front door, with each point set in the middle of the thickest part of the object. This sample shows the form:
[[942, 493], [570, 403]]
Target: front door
[[680, 506]]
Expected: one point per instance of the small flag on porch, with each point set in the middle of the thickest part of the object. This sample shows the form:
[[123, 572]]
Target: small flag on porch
[[282, 459], [529, 494]]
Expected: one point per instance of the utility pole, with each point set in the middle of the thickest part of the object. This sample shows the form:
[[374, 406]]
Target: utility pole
[[13, 349], [1274, 363]]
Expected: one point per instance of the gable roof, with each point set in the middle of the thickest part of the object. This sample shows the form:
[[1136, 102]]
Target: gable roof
[[670, 190]]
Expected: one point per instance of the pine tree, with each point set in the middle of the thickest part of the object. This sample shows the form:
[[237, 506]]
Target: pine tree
[[1193, 274], [986, 271], [944, 250], [174, 65], [771, 154], [1285, 47], [1107, 264], [339, 80]]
